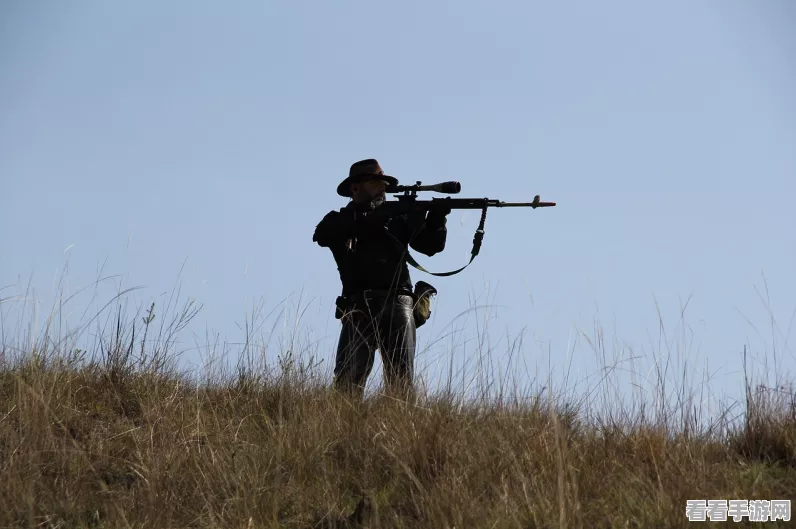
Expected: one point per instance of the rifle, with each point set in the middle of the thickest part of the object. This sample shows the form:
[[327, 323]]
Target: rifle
[[408, 203]]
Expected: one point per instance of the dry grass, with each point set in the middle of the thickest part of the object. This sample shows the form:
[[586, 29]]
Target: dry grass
[[121, 438]]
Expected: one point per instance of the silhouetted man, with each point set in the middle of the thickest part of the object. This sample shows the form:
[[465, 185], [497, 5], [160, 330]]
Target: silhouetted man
[[377, 301]]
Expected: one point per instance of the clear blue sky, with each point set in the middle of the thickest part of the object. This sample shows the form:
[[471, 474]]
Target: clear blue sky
[[144, 135]]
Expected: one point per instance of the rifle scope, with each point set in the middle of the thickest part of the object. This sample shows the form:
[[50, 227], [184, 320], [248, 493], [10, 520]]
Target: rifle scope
[[449, 188]]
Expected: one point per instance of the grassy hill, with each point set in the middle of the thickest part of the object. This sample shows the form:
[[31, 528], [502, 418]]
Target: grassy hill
[[122, 438]]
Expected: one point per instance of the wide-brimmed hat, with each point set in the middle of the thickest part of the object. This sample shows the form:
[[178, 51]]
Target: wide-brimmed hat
[[362, 171]]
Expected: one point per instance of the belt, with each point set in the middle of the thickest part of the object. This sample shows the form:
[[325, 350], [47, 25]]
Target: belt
[[371, 293]]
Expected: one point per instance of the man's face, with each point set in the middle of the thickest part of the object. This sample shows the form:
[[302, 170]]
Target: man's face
[[370, 191]]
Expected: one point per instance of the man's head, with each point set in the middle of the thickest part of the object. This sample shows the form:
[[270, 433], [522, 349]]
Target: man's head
[[366, 182], [374, 191]]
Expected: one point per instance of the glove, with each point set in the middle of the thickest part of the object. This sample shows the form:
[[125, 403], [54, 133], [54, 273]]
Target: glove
[[437, 217]]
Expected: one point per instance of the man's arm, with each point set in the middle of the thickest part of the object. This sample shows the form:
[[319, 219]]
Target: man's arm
[[433, 233]]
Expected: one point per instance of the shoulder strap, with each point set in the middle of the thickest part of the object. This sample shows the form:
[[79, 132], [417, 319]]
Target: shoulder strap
[[477, 238]]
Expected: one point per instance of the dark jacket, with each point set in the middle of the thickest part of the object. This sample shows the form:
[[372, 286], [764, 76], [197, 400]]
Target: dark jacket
[[376, 258]]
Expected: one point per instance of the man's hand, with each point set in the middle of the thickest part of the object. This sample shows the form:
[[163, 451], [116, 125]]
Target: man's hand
[[436, 217], [442, 210]]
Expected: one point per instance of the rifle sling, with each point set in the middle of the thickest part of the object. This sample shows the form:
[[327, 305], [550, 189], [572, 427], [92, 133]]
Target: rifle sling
[[477, 238]]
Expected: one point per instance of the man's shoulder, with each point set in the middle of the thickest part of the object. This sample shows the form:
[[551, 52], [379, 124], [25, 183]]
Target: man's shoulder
[[334, 216], [334, 213]]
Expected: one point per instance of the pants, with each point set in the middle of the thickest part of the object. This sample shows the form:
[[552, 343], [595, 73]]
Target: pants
[[386, 324]]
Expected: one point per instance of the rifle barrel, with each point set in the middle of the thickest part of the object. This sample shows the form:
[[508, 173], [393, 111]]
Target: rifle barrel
[[525, 204], [466, 203]]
